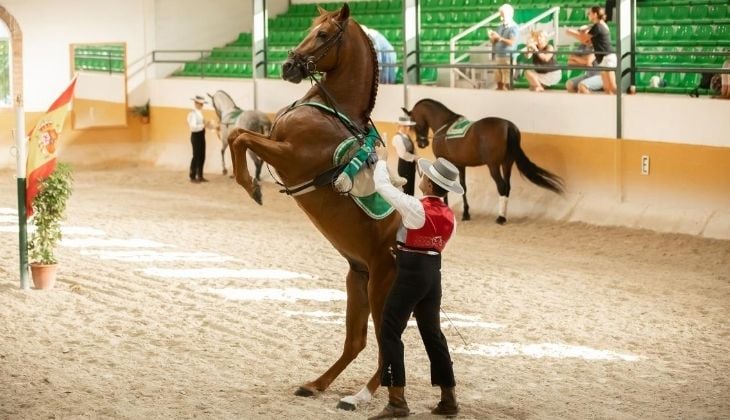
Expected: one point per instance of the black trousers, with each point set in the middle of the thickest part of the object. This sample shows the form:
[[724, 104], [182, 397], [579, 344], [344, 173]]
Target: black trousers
[[417, 290], [197, 139], [408, 171]]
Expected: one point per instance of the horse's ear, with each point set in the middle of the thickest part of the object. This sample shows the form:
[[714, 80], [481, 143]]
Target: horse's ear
[[321, 10], [344, 13], [406, 111]]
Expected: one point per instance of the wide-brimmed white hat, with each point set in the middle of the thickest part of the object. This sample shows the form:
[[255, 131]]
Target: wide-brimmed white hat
[[199, 99], [443, 173], [405, 121]]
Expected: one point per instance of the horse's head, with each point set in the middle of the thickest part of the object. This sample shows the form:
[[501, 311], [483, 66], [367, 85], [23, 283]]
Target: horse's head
[[421, 127], [319, 51]]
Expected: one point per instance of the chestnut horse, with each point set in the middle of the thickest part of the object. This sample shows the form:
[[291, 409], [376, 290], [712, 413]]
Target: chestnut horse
[[301, 146], [491, 141]]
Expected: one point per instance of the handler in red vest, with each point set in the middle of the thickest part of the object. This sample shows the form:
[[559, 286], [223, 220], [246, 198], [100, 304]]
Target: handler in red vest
[[427, 225]]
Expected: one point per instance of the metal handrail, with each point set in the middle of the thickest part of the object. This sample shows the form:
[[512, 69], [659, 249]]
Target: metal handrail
[[555, 11]]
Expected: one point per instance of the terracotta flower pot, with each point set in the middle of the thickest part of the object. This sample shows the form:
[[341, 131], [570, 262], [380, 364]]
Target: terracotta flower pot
[[44, 275]]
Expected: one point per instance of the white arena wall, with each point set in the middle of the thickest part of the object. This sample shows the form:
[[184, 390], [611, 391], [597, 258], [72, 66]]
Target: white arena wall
[[687, 190]]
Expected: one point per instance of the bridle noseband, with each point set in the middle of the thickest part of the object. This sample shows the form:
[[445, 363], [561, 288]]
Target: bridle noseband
[[308, 64]]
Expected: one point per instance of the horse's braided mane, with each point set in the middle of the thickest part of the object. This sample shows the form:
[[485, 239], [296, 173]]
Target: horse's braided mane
[[376, 72]]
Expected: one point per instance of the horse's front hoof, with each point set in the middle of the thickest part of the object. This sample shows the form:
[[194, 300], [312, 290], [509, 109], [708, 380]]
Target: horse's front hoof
[[225, 172], [304, 392], [501, 220], [343, 405]]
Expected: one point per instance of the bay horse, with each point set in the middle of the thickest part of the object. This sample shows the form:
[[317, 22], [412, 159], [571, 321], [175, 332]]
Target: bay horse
[[340, 59], [231, 116], [491, 141]]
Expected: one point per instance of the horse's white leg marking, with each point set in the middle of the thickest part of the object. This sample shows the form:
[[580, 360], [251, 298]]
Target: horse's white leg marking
[[361, 397], [503, 206]]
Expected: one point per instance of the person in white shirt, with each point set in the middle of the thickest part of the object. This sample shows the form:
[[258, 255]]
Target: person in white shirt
[[197, 139], [405, 149]]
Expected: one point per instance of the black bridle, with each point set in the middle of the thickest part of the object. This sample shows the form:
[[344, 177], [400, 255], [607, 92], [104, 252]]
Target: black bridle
[[308, 64]]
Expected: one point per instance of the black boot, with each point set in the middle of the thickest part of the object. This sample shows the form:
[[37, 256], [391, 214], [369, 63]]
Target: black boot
[[448, 405], [397, 406]]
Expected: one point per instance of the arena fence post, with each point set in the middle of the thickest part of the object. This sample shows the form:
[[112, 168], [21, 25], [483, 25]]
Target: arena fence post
[[21, 143]]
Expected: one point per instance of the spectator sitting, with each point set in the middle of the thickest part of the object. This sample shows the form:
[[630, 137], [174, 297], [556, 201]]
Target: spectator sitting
[[504, 43], [539, 50], [386, 55], [600, 38]]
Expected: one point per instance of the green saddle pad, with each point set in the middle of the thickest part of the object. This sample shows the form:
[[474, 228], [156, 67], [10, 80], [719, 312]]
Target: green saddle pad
[[374, 205], [459, 128]]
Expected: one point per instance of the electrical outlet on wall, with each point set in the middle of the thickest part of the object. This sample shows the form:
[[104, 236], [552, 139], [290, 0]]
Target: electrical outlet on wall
[[645, 165]]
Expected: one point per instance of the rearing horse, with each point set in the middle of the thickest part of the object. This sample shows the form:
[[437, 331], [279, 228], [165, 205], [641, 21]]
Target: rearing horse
[[492, 141], [301, 146]]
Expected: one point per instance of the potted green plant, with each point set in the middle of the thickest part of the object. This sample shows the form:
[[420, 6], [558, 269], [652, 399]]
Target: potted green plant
[[143, 111], [49, 208]]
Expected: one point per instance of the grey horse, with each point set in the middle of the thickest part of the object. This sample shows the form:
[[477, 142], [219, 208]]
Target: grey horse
[[231, 116]]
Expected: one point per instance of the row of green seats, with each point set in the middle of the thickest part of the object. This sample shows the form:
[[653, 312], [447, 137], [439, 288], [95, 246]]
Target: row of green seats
[[680, 35], [231, 53], [681, 2], [99, 52], [243, 40], [216, 69], [697, 14], [99, 64], [669, 82], [697, 57]]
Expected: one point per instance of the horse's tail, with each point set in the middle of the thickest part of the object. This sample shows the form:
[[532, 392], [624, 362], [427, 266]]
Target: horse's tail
[[534, 173]]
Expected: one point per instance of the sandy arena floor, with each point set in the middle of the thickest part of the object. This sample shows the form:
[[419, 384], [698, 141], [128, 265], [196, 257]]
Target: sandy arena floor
[[190, 301]]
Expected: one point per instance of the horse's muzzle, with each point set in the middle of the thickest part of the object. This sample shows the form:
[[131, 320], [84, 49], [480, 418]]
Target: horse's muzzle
[[292, 71]]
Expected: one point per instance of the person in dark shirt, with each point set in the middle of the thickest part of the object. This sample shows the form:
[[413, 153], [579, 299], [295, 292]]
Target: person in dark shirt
[[599, 36]]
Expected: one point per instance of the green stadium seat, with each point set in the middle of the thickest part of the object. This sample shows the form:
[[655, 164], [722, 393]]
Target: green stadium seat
[[644, 14], [273, 70], [681, 15], [429, 75], [698, 14], [719, 14], [721, 35]]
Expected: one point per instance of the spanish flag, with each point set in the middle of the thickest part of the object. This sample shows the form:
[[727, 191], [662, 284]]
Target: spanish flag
[[42, 145]]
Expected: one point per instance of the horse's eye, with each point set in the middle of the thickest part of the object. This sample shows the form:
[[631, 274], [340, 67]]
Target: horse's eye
[[321, 34]]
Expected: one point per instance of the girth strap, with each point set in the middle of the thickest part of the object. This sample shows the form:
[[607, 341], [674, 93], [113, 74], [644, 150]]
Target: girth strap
[[325, 178]]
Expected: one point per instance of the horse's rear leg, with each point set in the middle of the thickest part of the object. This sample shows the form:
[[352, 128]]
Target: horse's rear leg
[[506, 175], [462, 178], [356, 326], [223, 158], [503, 190]]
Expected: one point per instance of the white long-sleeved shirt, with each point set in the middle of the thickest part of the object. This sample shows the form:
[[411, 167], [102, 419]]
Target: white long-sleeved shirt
[[196, 121], [400, 148], [411, 209]]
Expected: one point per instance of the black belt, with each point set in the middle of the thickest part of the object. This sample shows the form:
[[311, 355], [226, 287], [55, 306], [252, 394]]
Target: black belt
[[417, 251]]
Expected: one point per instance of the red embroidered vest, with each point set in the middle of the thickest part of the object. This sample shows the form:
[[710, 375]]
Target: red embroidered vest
[[437, 230]]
